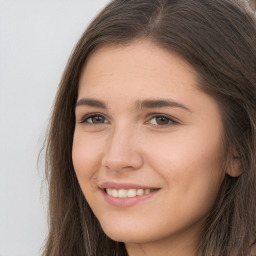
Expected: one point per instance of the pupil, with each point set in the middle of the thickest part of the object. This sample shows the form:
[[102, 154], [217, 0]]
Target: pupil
[[162, 120], [98, 119]]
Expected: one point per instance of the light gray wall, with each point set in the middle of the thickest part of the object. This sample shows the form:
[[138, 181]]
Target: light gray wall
[[36, 38]]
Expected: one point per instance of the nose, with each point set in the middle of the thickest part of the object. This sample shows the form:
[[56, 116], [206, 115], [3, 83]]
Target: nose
[[122, 151]]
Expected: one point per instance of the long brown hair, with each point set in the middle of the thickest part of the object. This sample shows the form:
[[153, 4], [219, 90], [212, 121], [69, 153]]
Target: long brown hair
[[218, 38]]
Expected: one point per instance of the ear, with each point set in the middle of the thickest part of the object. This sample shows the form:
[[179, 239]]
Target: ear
[[234, 169]]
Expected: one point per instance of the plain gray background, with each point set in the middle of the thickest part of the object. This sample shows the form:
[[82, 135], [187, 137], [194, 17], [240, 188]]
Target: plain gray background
[[36, 39]]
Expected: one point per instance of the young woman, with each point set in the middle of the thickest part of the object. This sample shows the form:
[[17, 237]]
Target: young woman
[[151, 148]]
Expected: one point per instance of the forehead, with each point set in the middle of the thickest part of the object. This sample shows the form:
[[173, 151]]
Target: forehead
[[140, 62]]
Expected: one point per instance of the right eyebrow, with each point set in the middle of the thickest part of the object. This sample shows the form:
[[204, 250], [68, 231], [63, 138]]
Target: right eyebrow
[[160, 103], [91, 103]]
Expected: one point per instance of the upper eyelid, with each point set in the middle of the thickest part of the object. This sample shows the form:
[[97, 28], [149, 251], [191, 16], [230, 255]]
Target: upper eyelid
[[174, 119]]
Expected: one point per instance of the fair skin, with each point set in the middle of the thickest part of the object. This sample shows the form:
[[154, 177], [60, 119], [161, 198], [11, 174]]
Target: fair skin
[[252, 4], [147, 148]]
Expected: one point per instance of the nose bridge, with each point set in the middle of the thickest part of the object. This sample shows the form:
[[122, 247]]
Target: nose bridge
[[122, 150]]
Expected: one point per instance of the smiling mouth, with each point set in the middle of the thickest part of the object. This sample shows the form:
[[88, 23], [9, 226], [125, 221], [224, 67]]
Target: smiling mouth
[[124, 193]]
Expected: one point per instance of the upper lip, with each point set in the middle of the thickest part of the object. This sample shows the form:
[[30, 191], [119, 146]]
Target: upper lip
[[110, 184]]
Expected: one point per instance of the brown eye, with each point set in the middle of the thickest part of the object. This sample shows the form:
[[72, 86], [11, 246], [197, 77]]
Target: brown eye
[[161, 120], [96, 119]]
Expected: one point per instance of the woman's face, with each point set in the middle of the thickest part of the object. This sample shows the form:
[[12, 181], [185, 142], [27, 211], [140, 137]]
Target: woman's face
[[147, 145]]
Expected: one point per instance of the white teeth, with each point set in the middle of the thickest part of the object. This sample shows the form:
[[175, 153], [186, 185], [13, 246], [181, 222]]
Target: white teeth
[[114, 193], [140, 192], [109, 190], [123, 193], [131, 193], [147, 191]]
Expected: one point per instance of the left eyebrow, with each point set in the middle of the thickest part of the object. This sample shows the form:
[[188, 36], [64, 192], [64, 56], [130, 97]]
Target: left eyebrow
[[91, 103], [160, 103]]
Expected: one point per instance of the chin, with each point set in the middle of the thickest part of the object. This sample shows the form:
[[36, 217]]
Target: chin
[[125, 235], [129, 234]]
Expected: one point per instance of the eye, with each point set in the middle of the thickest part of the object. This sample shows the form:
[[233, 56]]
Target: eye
[[94, 119], [161, 120]]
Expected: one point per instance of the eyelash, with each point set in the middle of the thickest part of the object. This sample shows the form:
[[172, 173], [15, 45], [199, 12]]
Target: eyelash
[[169, 119], [87, 117]]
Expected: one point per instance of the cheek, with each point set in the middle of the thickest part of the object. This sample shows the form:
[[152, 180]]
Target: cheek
[[86, 158], [187, 147], [192, 165]]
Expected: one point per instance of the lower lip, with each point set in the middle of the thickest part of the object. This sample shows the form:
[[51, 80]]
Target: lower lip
[[128, 201]]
